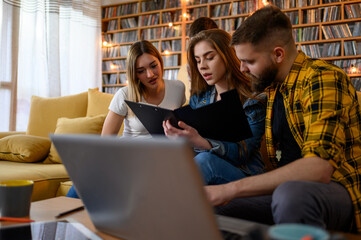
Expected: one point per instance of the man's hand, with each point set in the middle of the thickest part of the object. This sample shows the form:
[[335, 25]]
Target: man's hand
[[188, 132], [219, 194]]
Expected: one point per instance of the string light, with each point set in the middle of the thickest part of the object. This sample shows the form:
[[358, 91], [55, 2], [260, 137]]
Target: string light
[[166, 52], [170, 24], [113, 66], [265, 2], [353, 69], [105, 43]]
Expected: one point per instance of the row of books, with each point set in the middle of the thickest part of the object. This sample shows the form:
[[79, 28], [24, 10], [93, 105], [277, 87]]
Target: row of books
[[111, 90], [231, 24], [124, 9], [171, 60], [293, 16], [329, 32], [353, 10], [352, 48], [147, 20], [356, 82], [128, 23], [111, 79], [153, 5], [116, 51], [322, 50], [305, 34], [170, 74], [173, 45], [243, 7], [196, 2], [175, 16], [121, 37], [336, 31], [286, 4], [198, 12], [221, 10], [325, 14], [348, 64], [115, 65], [161, 32]]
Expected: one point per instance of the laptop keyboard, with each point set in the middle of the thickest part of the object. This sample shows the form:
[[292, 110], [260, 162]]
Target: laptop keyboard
[[226, 235]]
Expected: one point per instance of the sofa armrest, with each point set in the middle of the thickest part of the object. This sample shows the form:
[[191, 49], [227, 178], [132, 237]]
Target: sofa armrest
[[5, 134]]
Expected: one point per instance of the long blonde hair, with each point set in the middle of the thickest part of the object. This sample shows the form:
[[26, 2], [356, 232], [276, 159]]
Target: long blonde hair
[[135, 87], [220, 40]]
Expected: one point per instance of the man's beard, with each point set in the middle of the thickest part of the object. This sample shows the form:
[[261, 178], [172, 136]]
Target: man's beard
[[266, 78]]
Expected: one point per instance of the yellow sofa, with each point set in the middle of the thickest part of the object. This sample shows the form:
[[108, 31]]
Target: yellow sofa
[[30, 155]]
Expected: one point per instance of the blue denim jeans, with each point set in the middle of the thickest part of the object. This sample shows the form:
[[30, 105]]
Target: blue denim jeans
[[216, 170], [72, 193]]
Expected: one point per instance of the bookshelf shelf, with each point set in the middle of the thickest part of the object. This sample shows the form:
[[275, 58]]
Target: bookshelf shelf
[[327, 29]]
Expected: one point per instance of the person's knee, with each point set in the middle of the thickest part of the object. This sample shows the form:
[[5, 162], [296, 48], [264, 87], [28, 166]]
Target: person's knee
[[291, 202]]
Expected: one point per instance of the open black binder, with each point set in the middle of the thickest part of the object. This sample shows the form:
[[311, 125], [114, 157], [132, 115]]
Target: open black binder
[[222, 120]]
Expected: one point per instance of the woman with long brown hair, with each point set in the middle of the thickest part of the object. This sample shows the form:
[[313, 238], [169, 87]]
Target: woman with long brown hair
[[215, 69]]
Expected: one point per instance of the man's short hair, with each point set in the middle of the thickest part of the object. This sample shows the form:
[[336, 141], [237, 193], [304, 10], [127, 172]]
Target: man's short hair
[[266, 26], [200, 24]]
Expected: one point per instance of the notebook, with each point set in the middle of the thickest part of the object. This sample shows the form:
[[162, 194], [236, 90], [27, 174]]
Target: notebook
[[222, 120], [136, 188]]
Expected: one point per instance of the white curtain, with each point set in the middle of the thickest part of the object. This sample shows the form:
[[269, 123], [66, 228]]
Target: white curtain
[[59, 48]]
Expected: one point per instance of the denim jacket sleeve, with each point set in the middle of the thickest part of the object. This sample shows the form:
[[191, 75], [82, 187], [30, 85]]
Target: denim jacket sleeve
[[246, 153]]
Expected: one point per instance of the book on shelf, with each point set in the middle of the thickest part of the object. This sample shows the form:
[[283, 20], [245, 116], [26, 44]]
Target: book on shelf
[[351, 48], [222, 120], [244, 7], [112, 25], [125, 9], [336, 31], [221, 10], [124, 49], [171, 60], [198, 12], [122, 78], [151, 33], [111, 90], [284, 4], [170, 74], [293, 16], [353, 10], [331, 13], [346, 64], [356, 82], [356, 29], [129, 22], [148, 20], [153, 5], [128, 36]]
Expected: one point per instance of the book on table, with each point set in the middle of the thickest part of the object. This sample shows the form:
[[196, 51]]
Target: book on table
[[222, 120]]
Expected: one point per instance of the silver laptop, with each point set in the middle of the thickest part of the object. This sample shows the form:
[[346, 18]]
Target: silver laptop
[[143, 188]]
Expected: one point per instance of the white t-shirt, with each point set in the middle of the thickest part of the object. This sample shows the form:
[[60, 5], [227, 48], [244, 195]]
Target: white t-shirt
[[174, 97]]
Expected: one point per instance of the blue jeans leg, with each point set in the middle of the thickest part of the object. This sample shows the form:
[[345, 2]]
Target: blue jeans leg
[[216, 170], [72, 193], [319, 204]]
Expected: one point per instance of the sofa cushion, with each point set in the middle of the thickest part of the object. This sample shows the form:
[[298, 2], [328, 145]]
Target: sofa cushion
[[83, 125], [98, 102], [24, 148], [44, 112], [46, 177]]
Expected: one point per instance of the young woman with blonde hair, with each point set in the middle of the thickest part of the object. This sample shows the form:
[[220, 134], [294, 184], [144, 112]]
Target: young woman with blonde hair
[[145, 84]]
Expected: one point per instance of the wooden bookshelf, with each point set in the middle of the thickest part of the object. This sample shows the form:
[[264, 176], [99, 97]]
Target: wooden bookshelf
[[326, 29]]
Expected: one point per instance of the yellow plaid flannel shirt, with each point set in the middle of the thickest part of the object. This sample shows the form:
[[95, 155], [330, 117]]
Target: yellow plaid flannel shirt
[[325, 120]]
